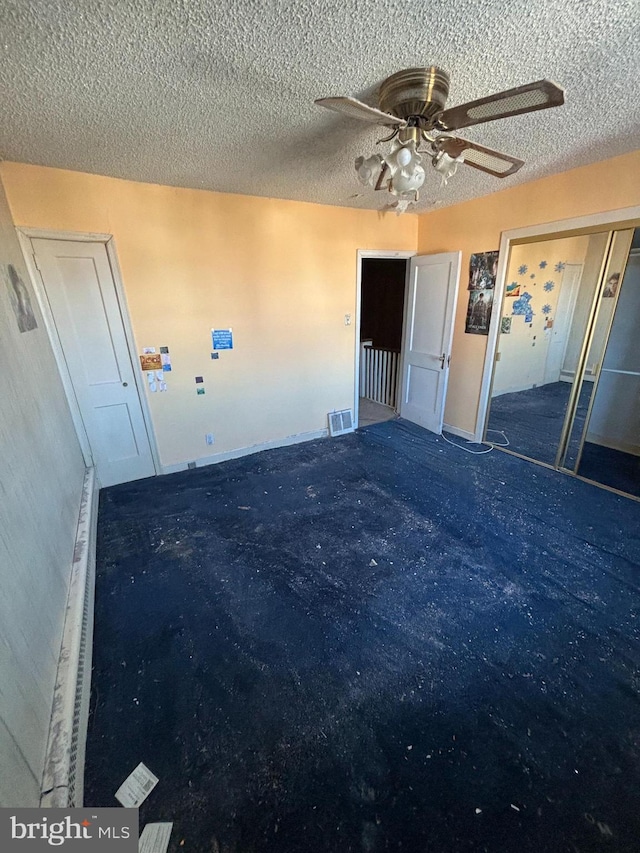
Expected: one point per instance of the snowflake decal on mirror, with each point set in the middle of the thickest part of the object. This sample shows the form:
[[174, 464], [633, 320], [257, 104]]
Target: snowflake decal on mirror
[[542, 264], [548, 286], [559, 266], [522, 269], [546, 309]]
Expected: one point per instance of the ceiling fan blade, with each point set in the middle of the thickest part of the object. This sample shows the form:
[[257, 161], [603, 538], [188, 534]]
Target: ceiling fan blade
[[513, 102], [486, 159], [354, 108]]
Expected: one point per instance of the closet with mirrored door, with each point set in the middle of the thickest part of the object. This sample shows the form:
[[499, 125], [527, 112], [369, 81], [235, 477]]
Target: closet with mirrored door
[[565, 389]]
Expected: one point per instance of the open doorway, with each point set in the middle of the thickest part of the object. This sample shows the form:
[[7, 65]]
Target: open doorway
[[382, 294]]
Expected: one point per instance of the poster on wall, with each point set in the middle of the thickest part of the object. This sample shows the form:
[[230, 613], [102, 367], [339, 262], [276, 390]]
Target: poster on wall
[[482, 271], [20, 301], [479, 312], [150, 361]]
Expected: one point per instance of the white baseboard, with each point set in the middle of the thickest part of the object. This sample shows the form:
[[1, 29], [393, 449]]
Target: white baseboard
[[461, 433], [246, 451], [62, 780]]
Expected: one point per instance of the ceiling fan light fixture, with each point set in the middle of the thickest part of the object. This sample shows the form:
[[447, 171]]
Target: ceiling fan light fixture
[[407, 174], [368, 170], [446, 165]]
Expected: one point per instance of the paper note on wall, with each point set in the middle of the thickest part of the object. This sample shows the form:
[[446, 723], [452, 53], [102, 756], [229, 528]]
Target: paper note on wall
[[222, 338], [165, 359]]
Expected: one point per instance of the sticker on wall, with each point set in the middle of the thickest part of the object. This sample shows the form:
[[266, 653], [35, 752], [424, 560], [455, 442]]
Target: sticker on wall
[[222, 338], [513, 289], [482, 271], [150, 362], [162, 385], [548, 323], [164, 350], [479, 312], [521, 305], [148, 350], [20, 301], [199, 380], [559, 266], [505, 326], [611, 287], [548, 286], [215, 355], [165, 360], [528, 318], [200, 390], [546, 309], [522, 269], [153, 387], [542, 264], [159, 375]]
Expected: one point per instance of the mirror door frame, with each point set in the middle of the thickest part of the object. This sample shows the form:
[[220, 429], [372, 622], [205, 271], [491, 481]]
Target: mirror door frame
[[628, 217]]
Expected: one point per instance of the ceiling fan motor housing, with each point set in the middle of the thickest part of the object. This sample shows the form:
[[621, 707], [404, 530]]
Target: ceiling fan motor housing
[[415, 92]]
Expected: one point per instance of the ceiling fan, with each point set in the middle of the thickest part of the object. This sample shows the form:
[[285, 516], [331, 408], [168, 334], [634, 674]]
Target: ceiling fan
[[412, 104]]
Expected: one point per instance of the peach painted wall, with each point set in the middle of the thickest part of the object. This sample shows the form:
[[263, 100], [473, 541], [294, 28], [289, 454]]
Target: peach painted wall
[[282, 274], [476, 226]]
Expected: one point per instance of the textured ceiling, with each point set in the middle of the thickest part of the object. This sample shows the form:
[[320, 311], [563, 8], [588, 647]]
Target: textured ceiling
[[220, 95]]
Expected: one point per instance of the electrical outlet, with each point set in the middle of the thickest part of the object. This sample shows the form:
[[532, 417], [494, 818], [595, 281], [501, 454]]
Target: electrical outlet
[[347, 319], [209, 438]]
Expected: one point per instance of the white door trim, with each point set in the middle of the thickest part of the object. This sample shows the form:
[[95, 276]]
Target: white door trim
[[607, 219], [25, 235], [364, 254]]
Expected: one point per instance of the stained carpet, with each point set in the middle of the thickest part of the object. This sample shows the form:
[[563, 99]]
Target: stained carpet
[[371, 643]]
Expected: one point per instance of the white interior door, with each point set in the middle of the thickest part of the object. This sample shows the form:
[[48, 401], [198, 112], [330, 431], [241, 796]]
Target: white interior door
[[562, 322], [428, 331], [84, 303]]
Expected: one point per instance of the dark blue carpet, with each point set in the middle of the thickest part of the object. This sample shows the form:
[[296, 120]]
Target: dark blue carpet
[[611, 467], [371, 643], [532, 420]]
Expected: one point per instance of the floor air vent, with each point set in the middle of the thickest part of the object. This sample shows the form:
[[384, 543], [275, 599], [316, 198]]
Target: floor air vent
[[340, 422]]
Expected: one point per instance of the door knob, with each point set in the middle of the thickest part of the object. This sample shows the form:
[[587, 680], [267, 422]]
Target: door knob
[[124, 384]]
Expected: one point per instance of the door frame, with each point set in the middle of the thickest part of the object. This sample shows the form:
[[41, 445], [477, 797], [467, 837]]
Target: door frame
[[626, 217], [25, 235], [362, 255]]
